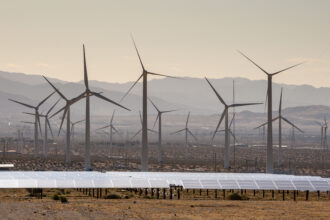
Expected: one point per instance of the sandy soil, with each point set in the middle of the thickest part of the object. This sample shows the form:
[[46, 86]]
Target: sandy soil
[[17, 204], [81, 208]]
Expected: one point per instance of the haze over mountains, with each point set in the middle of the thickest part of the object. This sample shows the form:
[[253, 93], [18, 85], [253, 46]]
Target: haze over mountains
[[304, 102]]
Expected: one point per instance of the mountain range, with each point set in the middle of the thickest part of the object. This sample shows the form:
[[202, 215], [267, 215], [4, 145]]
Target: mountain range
[[303, 103]]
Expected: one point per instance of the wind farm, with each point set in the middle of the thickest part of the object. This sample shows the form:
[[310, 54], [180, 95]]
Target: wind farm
[[199, 134]]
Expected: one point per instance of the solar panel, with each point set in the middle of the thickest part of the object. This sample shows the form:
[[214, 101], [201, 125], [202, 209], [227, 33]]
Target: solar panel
[[191, 184], [284, 185], [265, 184], [8, 183], [247, 184], [321, 185], [65, 183], [46, 183], [210, 184], [158, 184], [228, 184], [102, 183], [85, 179], [122, 182], [27, 183], [140, 183], [83, 183], [303, 185]]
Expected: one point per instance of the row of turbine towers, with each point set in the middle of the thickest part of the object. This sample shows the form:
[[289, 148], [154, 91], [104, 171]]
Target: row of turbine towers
[[144, 155]]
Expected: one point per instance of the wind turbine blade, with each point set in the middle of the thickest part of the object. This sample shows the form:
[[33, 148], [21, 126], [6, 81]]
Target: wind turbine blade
[[85, 69], [192, 134], [289, 122], [53, 106], [61, 109], [287, 68], [187, 119], [108, 100], [244, 104], [280, 106], [215, 91], [113, 114], [138, 53], [253, 62], [156, 120], [131, 88], [45, 99], [232, 119], [141, 120], [21, 103], [28, 113], [222, 116], [153, 104], [27, 122], [274, 119], [136, 134], [103, 127], [78, 122], [58, 91], [64, 113], [153, 131], [169, 111], [157, 74], [178, 131], [50, 128], [232, 134]]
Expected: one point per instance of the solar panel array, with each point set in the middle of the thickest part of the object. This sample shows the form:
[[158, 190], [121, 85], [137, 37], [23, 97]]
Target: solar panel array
[[249, 181]]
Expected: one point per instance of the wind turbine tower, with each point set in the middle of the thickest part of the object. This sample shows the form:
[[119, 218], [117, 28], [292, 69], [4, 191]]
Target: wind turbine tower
[[144, 75], [227, 130], [269, 155]]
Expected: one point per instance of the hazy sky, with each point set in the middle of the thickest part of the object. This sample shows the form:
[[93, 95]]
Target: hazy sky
[[183, 38]]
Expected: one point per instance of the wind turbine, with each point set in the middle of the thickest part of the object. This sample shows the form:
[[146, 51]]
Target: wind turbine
[[187, 131], [47, 125], [159, 118], [66, 112], [269, 156], [36, 121], [112, 130], [280, 117], [145, 73], [88, 93], [73, 124], [225, 115]]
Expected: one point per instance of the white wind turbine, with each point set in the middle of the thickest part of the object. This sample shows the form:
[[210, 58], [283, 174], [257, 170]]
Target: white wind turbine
[[159, 118], [88, 93], [47, 125], [227, 132], [145, 73], [269, 155], [187, 131], [66, 108], [36, 121], [280, 117], [112, 130]]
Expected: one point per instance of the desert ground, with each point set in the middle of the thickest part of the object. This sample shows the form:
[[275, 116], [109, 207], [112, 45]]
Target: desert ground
[[18, 204]]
